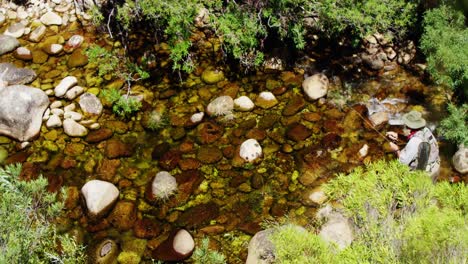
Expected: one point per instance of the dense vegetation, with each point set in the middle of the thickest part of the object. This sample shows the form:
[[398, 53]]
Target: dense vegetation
[[27, 232], [399, 217]]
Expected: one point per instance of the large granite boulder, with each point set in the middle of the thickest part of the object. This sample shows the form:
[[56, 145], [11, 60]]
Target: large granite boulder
[[13, 75], [460, 159], [8, 44], [21, 110]]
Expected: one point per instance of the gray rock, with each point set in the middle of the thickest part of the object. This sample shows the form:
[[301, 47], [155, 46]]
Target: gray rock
[[337, 229], [21, 110], [7, 44], [460, 159], [74, 92], [90, 104], [261, 250], [13, 75]]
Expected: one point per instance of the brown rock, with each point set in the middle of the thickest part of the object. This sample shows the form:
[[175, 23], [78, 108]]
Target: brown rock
[[117, 126], [147, 228], [39, 56], [68, 163], [209, 155], [159, 150], [29, 171], [257, 134], [198, 215], [108, 169], [19, 157], [55, 182], [170, 159], [229, 151], [268, 121], [188, 182], [116, 149], [123, 215], [209, 132], [74, 149], [294, 105], [312, 117], [189, 164], [77, 59], [298, 132], [331, 140], [73, 196], [99, 135]]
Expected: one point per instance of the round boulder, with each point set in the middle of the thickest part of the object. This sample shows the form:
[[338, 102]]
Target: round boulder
[[21, 109], [315, 86], [163, 186], [222, 105], [250, 150]]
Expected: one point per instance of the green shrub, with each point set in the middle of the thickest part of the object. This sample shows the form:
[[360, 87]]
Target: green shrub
[[27, 234], [399, 217], [455, 126], [204, 255], [362, 18], [122, 105], [445, 44], [293, 245]]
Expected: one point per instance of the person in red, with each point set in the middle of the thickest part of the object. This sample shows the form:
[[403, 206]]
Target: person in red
[[422, 151]]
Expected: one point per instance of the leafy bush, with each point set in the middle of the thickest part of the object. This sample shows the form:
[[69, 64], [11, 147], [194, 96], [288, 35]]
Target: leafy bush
[[455, 126], [445, 44], [204, 255], [362, 18], [122, 105], [399, 217], [27, 211]]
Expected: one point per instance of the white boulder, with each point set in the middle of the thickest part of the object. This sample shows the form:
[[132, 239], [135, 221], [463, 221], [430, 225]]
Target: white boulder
[[266, 100], [222, 105], [315, 86], [16, 30], [74, 92], [244, 103], [163, 186], [337, 229], [73, 129], [250, 150], [51, 18], [183, 242], [99, 196], [62, 88], [54, 121]]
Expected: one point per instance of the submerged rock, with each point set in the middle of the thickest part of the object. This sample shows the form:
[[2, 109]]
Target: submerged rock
[[222, 105], [15, 30], [261, 250], [73, 129], [163, 186], [90, 104], [21, 111], [244, 103], [104, 252], [266, 100], [51, 18], [211, 76], [67, 83]]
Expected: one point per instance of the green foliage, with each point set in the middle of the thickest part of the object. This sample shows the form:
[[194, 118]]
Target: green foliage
[[435, 236], [106, 62], [174, 18], [27, 234], [399, 217], [455, 126], [362, 18], [204, 255], [122, 105], [240, 32], [295, 245], [445, 44], [96, 15]]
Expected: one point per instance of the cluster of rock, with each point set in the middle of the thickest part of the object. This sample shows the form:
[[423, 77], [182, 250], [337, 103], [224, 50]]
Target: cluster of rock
[[380, 53]]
